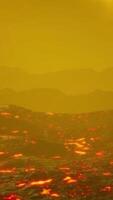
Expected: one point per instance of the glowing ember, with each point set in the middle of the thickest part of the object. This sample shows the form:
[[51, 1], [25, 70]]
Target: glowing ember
[[81, 139], [50, 114], [56, 157], [100, 154], [18, 155], [65, 168], [107, 174], [69, 180], [46, 192], [30, 169], [12, 197], [7, 171], [80, 145], [107, 189], [2, 153], [80, 152], [20, 185], [15, 131], [55, 195], [37, 183], [6, 114], [111, 162]]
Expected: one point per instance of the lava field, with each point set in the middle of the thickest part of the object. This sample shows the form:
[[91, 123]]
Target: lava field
[[49, 156]]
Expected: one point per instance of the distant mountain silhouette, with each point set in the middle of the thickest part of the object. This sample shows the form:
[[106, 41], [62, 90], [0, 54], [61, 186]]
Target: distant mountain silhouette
[[69, 81], [51, 100]]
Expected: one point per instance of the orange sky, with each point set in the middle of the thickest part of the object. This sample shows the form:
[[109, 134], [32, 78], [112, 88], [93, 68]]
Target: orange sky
[[50, 35]]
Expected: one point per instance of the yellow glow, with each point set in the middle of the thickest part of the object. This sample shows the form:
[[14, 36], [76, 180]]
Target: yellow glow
[[51, 35]]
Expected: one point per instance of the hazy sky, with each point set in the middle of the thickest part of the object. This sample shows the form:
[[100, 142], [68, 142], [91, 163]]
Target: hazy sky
[[47, 35]]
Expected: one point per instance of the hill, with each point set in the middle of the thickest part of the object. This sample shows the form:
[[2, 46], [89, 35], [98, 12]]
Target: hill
[[51, 100], [70, 81]]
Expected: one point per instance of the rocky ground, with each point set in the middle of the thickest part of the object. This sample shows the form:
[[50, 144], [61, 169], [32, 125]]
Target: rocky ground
[[55, 156]]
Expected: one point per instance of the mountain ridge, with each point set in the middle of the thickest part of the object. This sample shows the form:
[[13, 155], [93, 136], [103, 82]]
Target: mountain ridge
[[51, 100], [69, 81]]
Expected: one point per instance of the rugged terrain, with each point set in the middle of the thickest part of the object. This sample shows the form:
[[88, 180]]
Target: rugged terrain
[[55, 156]]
